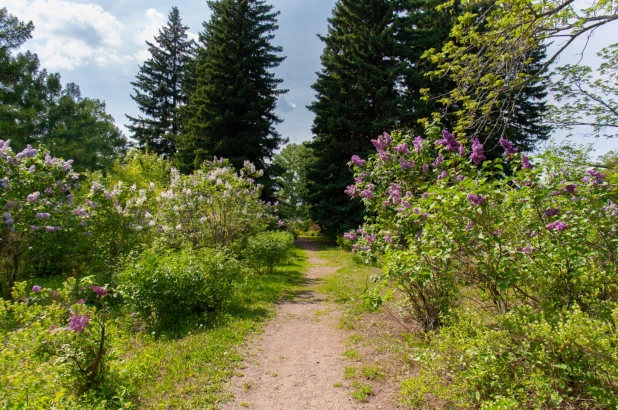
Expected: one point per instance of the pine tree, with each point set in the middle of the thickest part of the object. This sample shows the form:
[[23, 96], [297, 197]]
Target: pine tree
[[162, 87], [231, 113], [359, 96]]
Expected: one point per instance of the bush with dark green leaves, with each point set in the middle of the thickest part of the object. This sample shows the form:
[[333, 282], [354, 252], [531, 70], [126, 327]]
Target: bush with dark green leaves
[[268, 249], [170, 289]]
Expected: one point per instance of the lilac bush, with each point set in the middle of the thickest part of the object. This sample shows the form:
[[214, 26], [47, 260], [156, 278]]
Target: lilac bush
[[509, 232], [36, 200]]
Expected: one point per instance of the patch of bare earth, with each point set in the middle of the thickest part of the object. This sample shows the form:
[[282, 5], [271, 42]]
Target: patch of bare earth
[[297, 362]]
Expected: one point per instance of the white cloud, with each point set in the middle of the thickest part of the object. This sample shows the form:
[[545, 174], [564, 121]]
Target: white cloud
[[284, 105], [156, 20], [67, 34]]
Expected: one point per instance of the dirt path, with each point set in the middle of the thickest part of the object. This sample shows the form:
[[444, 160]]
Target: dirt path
[[297, 362]]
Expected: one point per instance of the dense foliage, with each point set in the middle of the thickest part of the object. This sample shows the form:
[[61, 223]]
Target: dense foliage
[[535, 249], [268, 249]]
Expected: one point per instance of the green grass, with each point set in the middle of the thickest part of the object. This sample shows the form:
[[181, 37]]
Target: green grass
[[191, 372], [361, 391]]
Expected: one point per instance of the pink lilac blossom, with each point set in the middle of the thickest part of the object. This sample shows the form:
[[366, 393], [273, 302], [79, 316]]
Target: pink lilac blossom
[[358, 161], [598, 176], [36, 289], [367, 194], [443, 175], [557, 226], [351, 236], [402, 148], [449, 142], [525, 162], [388, 239], [468, 226], [418, 143], [79, 323], [460, 178], [476, 199], [406, 164], [477, 152], [508, 147], [438, 161], [425, 168], [99, 291]]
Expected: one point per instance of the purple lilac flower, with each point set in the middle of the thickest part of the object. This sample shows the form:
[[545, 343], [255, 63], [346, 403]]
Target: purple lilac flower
[[477, 152], [388, 239], [34, 228], [418, 143], [460, 178], [366, 248], [549, 212], [36, 289], [438, 161], [4, 182], [476, 199], [425, 168], [557, 226], [99, 291], [79, 211], [371, 238], [394, 193], [443, 175], [34, 196], [598, 176], [8, 218], [382, 142], [79, 322], [32, 169], [449, 141], [402, 148], [366, 194], [351, 236], [352, 191], [525, 162], [280, 224], [498, 232], [508, 147], [570, 189], [52, 228], [406, 164], [42, 215], [425, 195], [468, 226], [358, 161]]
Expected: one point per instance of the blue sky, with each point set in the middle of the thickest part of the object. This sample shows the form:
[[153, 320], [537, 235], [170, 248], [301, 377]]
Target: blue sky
[[99, 44]]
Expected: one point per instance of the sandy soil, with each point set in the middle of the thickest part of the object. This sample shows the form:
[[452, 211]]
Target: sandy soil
[[297, 361]]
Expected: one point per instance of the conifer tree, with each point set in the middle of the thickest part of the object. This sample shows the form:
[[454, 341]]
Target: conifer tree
[[162, 86], [231, 113], [359, 96]]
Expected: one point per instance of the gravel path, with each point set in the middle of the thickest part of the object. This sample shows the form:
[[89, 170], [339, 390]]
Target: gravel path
[[297, 361]]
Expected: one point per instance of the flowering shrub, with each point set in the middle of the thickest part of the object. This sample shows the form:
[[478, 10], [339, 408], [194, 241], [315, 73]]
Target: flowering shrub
[[167, 289], [447, 219], [214, 207], [36, 200], [54, 344], [266, 250]]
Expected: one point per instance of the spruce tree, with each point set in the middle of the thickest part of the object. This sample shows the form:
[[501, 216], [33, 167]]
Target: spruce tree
[[359, 96], [231, 112], [162, 86]]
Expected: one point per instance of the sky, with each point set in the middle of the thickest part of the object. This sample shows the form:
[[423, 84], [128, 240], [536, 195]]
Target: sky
[[99, 44]]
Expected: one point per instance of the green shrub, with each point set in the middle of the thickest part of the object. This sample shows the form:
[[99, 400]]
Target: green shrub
[[169, 288], [268, 249], [522, 361]]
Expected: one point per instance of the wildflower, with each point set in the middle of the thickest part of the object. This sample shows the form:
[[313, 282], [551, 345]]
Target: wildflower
[[36, 289], [508, 147], [79, 322], [557, 226], [99, 291], [477, 152]]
